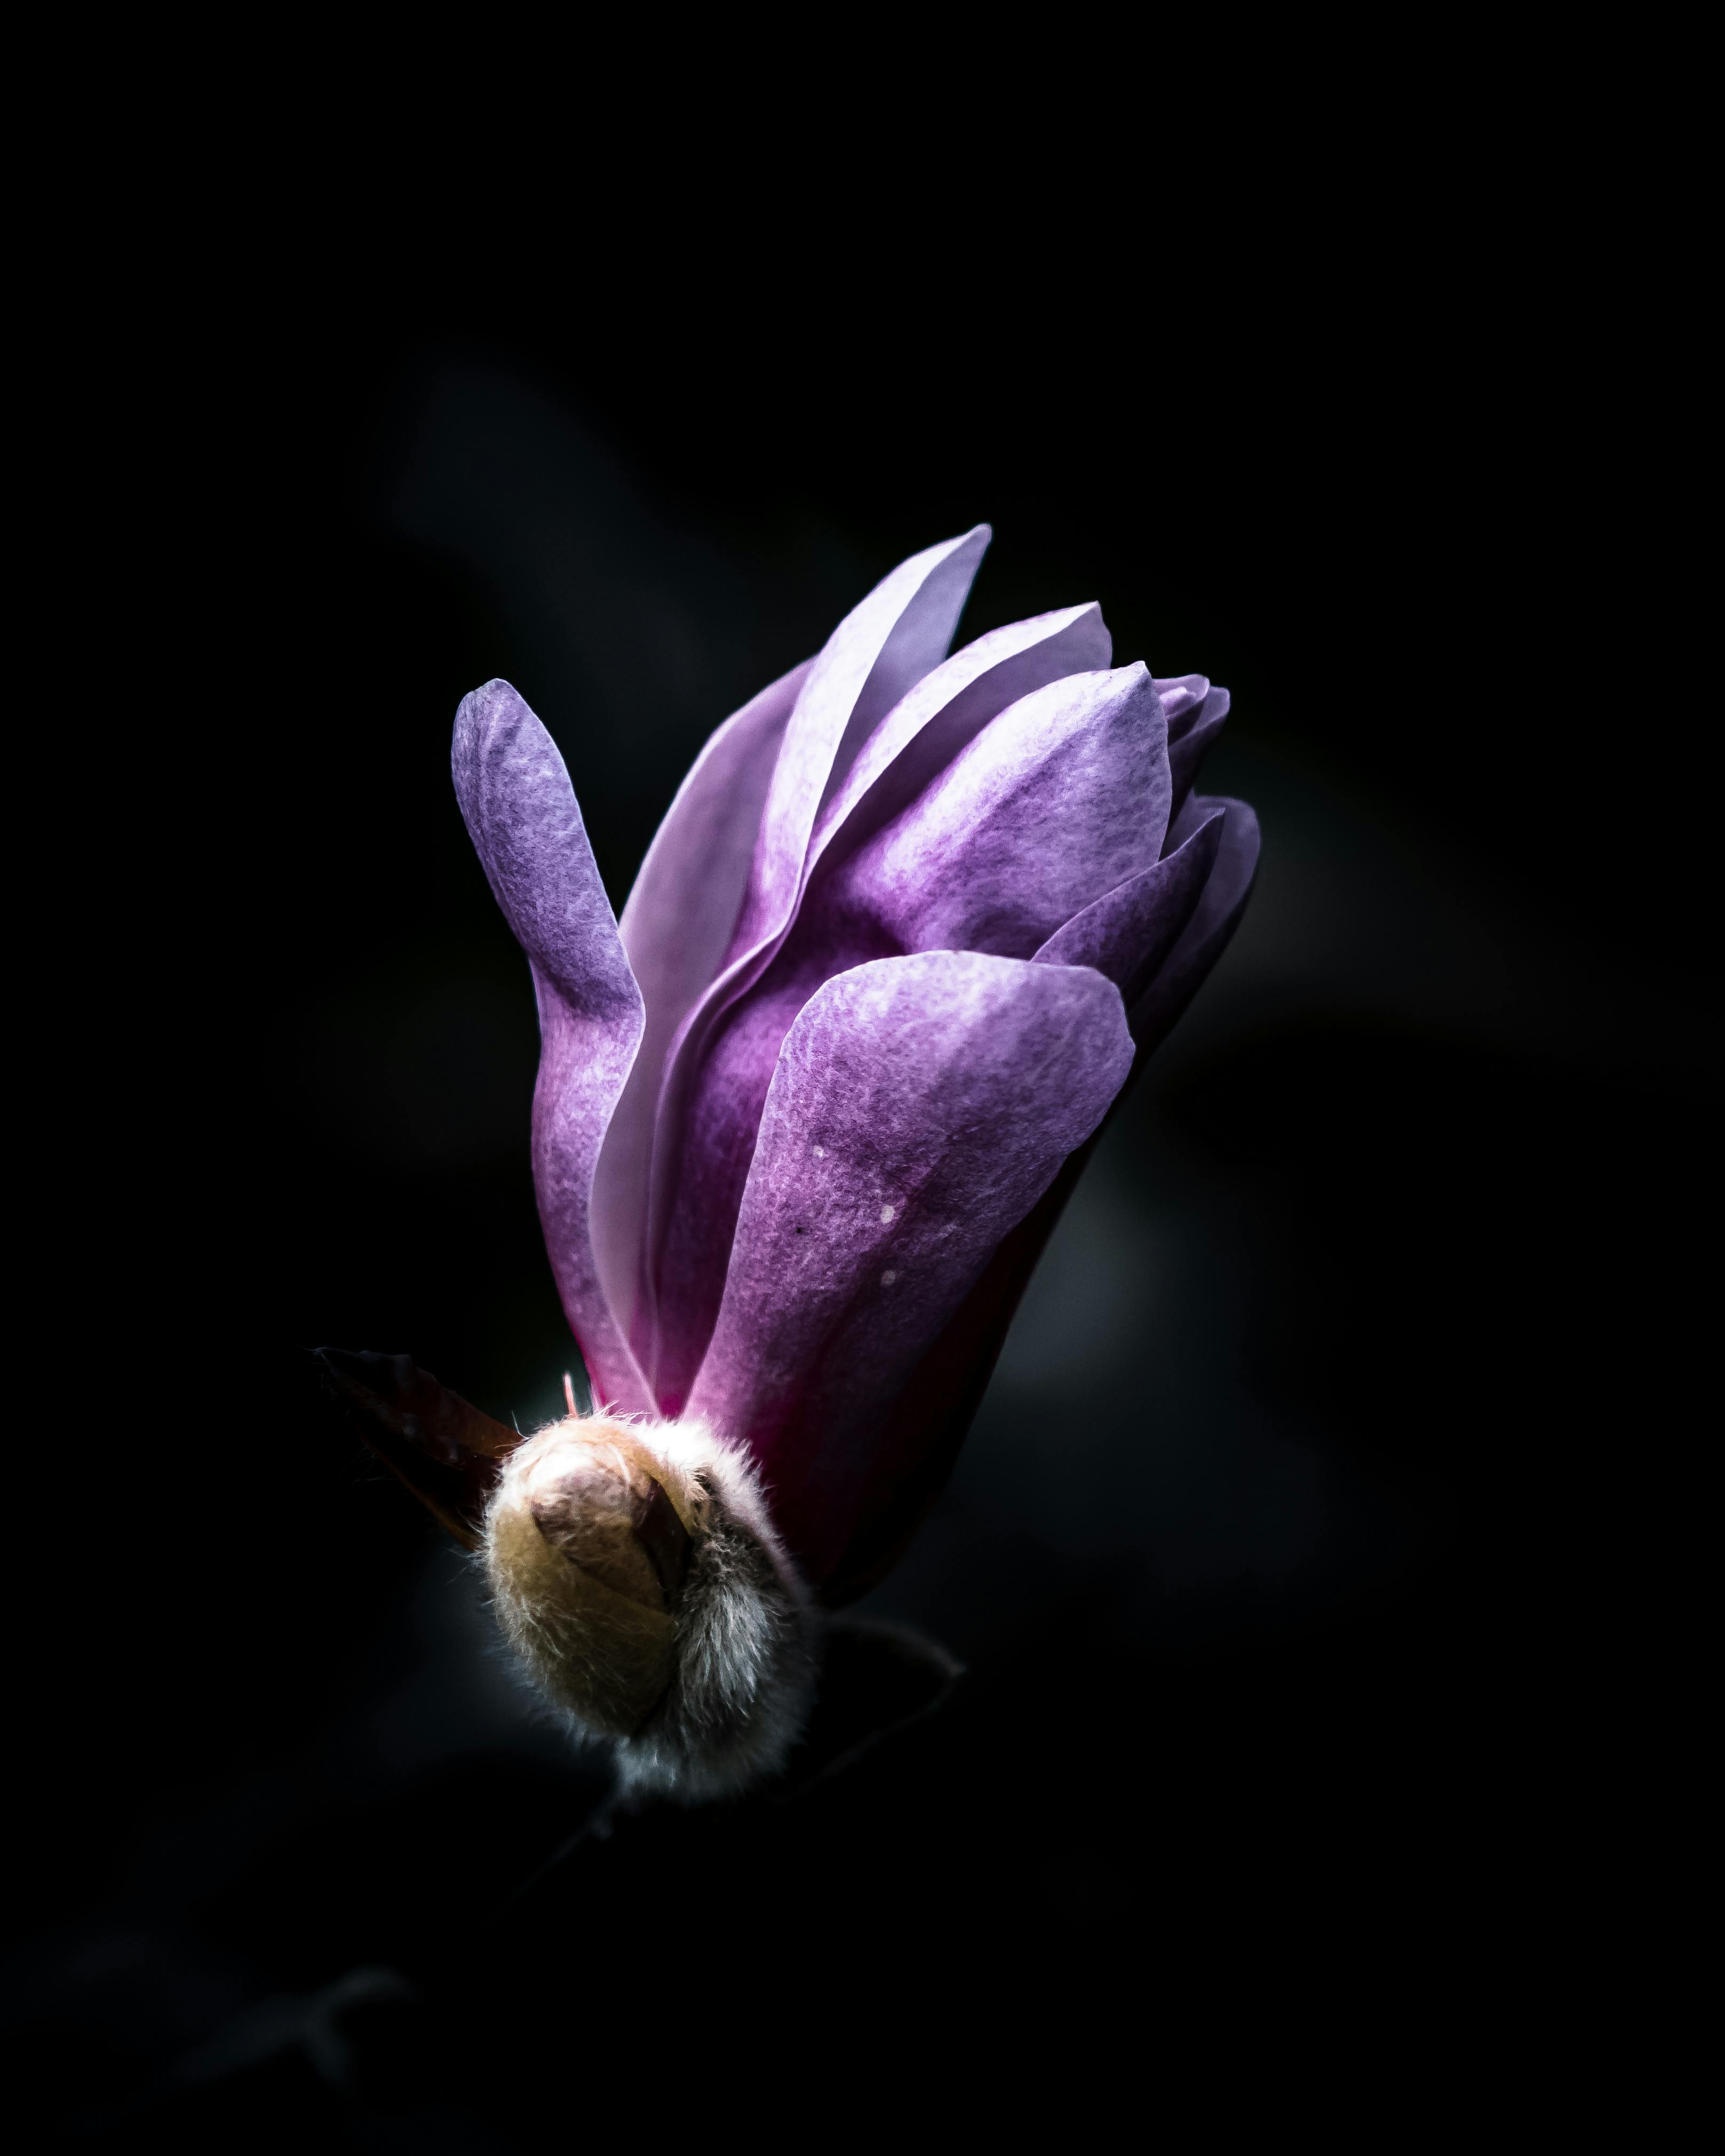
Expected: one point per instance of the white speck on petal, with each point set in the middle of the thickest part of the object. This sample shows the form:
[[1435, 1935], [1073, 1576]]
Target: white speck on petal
[[820, 1153], [886, 1214], [888, 1277]]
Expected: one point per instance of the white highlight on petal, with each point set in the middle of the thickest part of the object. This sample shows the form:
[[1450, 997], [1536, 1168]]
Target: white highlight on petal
[[888, 1277], [886, 1214], [820, 1153]]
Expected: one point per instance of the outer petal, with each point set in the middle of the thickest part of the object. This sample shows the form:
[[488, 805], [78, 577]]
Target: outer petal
[[931, 1415], [721, 1084], [520, 811], [948, 707], [1064, 796], [1182, 697], [880, 650], [1193, 730], [676, 928], [921, 1108], [877, 652], [1128, 933], [1213, 919]]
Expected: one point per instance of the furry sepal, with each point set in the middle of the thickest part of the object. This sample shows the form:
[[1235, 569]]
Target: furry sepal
[[635, 1569]]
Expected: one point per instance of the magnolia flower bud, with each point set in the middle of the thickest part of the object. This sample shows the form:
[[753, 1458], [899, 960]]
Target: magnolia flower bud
[[635, 1571], [806, 1114], [809, 1108]]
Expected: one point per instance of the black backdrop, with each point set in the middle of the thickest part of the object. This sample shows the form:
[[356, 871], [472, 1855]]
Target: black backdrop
[[1283, 1619]]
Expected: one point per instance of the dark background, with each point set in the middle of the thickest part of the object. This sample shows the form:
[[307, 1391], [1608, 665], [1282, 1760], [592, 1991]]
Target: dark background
[[1289, 1555]]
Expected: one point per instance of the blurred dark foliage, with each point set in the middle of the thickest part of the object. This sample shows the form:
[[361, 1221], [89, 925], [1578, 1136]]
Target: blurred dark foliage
[[1287, 1558]]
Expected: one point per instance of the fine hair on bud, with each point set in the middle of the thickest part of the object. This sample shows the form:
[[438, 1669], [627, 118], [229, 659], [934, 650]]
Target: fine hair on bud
[[635, 1570]]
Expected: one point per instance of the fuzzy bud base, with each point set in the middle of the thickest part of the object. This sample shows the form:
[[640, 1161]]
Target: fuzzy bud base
[[635, 1570]]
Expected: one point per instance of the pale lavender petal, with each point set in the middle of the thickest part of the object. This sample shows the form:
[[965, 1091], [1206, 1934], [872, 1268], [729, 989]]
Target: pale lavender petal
[[1213, 919], [926, 728], [1190, 739], [708, 1140], [1063, 796], [932, 1414], [919, 1108], [520, 811], [881, 649], [1128, 932], [676, 929], [1182, 697]]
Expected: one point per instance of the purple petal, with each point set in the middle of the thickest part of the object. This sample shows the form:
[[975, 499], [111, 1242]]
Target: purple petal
[[1213, 919], [919, 1108], [676, 928], [930, 1417], [1192, 733], [880, 649], [520, 811], [879, 653], [710, 1112], [1128, 932], [927, 727], [1182, 697], [1063, 796]]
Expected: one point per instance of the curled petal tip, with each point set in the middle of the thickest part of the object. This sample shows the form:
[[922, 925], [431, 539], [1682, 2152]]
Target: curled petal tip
[[491, 699]]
